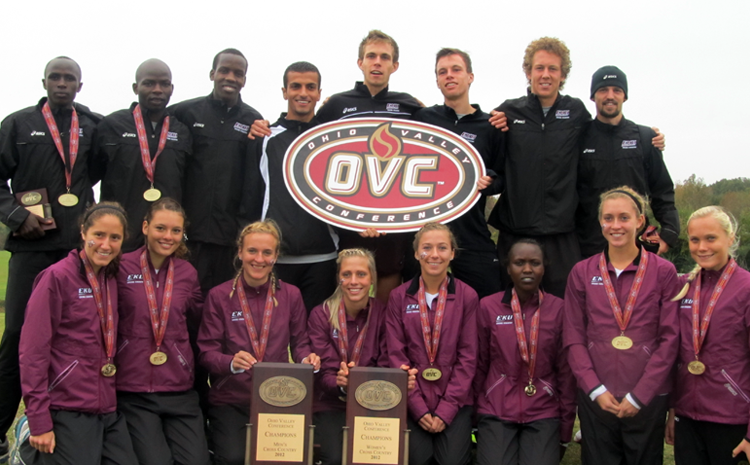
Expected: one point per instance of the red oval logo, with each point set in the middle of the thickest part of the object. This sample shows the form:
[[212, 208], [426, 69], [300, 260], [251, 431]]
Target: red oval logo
[[389, 174]]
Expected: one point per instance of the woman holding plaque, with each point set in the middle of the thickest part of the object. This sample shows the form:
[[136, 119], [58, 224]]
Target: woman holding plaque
[[67, 351], [159, 294], [524, 388], [347, 330], [709, 421], [238, 317], [622, 338], [431, 326]]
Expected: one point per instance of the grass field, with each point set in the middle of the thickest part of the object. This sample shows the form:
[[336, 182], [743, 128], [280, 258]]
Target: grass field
[[572, 456]]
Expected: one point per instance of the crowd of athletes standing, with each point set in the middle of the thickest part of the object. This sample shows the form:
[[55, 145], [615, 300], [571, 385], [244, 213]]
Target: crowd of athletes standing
[[131, 344]]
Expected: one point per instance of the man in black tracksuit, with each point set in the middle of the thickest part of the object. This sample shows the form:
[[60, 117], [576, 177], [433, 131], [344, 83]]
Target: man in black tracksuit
[[541, 156], [308, 245], [476, 262], [219, 124], [617, 152], [30, 160], [118, 152], [378, 59]]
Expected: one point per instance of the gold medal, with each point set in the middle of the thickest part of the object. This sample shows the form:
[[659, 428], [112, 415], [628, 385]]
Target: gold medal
[[68, 200], [432, 374], [152, 195], [109, 370], [622, 343], [696, 367], [530, 390], [158, 358]]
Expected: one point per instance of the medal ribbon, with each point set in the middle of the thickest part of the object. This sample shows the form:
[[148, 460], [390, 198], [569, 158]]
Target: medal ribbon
[[140, 128], [344, 338], [158, 319], [623, 320], [528, 355], [72, 144], [432, 336], [105, 319], [259, 346], [700, 335]]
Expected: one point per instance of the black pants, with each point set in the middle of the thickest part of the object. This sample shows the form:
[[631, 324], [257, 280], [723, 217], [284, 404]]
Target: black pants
[[165, 427], [22, 270], [328, 433], [706, 443], [452, 446], [316, 281], [561, 251], [227, 425], [85, 439], [480, 270], [214, 263], [637, 440], [501, 442]]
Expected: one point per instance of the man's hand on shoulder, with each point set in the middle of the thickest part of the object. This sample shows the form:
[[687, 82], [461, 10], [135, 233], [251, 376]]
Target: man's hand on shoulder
[[499, 120], [260, 128]]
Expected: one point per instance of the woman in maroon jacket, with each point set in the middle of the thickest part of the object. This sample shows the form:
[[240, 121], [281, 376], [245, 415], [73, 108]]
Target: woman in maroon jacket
[[524, 387], [67, 351], [710, 421], [622, 339], [431, 326], [347, 330], [158, 294], [238, 317]]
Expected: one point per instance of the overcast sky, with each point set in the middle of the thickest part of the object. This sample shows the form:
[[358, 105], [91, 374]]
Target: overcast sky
[[683, 59]]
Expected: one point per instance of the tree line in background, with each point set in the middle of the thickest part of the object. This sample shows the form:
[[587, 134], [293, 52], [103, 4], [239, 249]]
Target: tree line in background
[[692, 194]]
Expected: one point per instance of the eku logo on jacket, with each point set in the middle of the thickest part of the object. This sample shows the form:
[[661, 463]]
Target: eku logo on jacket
[[412, 308], [85, 293], [135, 279], [597, 281], [504, 320], [237, 315]]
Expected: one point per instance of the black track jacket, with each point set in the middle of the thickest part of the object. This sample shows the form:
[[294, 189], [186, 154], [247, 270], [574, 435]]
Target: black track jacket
[[30, 160], [613, 156], [117, 160], [215, 171], [541, 160]]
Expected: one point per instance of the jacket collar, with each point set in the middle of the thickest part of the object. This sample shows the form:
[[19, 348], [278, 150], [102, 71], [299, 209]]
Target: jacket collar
[[451, 113], [361, 88], [221, 106], [299, 126], [414, 285]]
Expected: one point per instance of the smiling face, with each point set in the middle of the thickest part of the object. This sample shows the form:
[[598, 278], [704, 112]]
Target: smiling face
[[355, 280], [301, 93], [709, 243], [609, 100], [377, 65], [620, 221], [229, 77], [102, 241], [258, 255], [545, 76], [526, 267], [434, 253], [164, 232], [453, 79]]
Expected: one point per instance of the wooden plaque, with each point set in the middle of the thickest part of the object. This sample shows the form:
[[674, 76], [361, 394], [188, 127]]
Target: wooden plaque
[[37, 202], [281, 414], [376, 404]]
